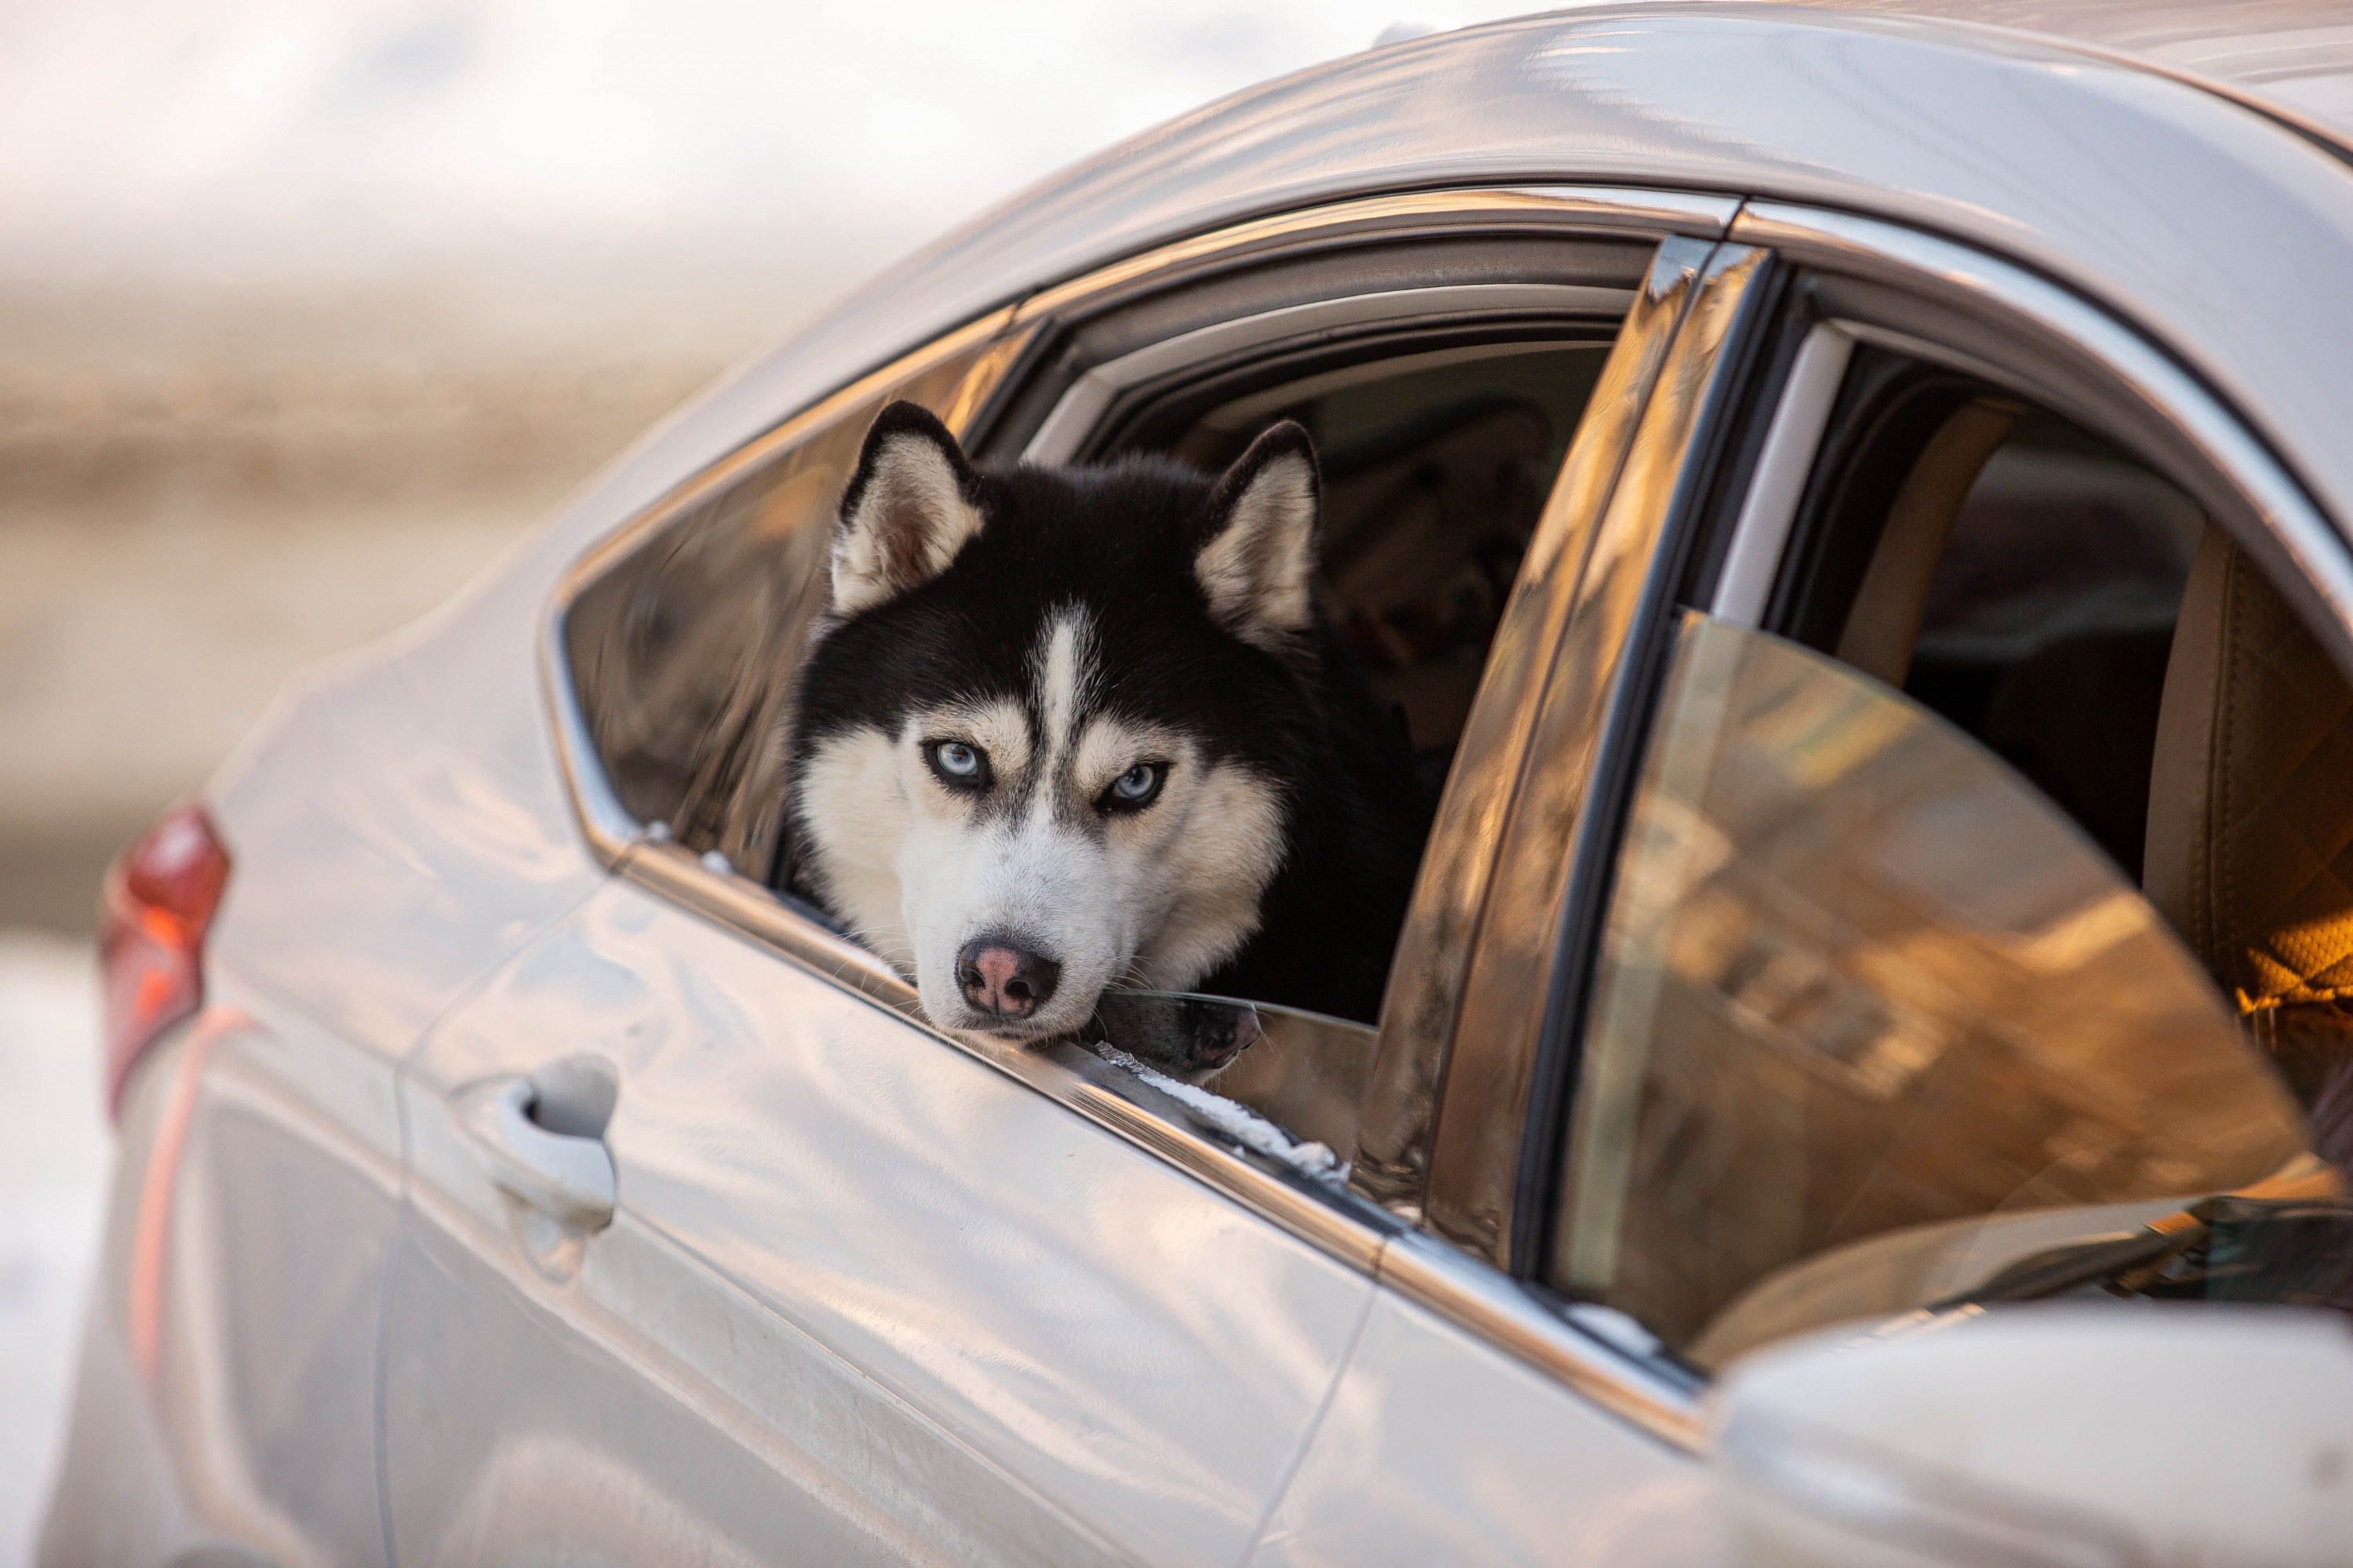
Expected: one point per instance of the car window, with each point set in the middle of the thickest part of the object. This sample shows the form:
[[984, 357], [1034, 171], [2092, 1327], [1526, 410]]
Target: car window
[[1441, 402], [1912, 990], [2012, 572], [1436, 467], [1436, 463], [1868, 1011]]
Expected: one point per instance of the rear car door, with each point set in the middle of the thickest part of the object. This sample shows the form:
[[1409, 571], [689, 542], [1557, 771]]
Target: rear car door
[[776, 1271]]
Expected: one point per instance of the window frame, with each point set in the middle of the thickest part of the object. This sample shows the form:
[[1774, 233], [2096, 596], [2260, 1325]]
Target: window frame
[[1583, 750], [1011, 348], [1852, 281]]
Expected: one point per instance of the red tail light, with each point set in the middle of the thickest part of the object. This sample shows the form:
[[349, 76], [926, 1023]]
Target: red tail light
[[158, 900]]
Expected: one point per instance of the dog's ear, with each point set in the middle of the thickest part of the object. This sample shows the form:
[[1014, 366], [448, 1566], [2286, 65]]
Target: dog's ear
[[909, 508], [1257, 565]]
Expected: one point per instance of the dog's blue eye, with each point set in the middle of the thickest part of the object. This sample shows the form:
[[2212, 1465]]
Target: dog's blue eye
[[1138, 784], [957, 759]]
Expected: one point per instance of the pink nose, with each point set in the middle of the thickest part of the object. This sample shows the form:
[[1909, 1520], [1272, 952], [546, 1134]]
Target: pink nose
[[1000, 977]]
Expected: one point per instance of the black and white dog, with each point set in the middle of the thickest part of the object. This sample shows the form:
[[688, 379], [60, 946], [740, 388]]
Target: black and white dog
[[1068, 729]]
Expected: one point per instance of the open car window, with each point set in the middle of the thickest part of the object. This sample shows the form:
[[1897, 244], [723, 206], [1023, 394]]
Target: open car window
[[1436, 467], [1437, 464], [1442, 380]]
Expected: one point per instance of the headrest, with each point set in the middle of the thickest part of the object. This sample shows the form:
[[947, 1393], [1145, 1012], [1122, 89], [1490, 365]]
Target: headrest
[[2250, 847]]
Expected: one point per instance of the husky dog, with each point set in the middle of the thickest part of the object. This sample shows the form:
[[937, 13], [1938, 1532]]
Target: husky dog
[[1072, 728]]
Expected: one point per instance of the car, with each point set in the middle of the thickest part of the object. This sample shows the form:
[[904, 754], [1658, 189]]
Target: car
[[1851, 506]]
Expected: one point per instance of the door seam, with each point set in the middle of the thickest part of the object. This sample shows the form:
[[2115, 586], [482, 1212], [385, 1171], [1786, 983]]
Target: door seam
[[1315, 1422]]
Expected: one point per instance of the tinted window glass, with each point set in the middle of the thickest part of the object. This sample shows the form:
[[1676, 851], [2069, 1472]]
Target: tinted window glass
[[2046, 627], [2010, 570], [1872, 1022], [682, 653]]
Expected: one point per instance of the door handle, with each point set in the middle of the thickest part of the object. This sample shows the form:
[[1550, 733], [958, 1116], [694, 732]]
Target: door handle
[[542, 1138]]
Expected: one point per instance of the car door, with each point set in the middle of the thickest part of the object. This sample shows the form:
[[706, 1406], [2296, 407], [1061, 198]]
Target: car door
[[1815, 986], [715, 1251]]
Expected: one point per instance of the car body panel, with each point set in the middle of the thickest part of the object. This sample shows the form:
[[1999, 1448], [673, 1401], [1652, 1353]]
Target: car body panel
[[2291, 57], [1063, 1341], [231, 1362], [280, 1232], [397, 825], [119, 1496], [1438, 1448], [651, 1411]]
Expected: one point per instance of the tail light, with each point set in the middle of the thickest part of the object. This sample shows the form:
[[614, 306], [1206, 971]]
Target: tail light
[[156, 905]]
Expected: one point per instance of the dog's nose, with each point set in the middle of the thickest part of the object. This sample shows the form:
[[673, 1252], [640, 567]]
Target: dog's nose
[[999, 977]]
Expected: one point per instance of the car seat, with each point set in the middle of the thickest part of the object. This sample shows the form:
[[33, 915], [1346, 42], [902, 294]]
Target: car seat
[[2250, 841]]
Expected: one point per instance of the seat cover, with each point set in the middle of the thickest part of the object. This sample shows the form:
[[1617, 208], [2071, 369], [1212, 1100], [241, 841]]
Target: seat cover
[[2249, 846]]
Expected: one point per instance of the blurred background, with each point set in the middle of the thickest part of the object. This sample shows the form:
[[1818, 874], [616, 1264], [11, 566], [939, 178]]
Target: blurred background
[[309, 307]]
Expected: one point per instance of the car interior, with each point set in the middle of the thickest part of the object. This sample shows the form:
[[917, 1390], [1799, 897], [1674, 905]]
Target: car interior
[[1437, 463], [2009, 570], [2079, 617]]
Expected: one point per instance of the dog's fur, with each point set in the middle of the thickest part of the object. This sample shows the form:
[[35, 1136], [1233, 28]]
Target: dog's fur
[[1070, 626]]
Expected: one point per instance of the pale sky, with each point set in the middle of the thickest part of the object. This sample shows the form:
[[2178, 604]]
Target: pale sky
[[276, 141]]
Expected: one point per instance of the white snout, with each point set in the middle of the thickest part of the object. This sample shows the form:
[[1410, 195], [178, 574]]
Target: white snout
[[1049, 889]]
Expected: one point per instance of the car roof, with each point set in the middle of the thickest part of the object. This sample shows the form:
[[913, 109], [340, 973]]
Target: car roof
[[2173, 204], [2292, 57]]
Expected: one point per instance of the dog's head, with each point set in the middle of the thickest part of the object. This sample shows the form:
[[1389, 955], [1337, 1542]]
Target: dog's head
[[1041, 747]]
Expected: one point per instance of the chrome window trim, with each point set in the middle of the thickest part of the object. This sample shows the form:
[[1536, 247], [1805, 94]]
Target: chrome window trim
[[1337, 1222], [1075, 416], [1791, 439], [1632, 212], [2313, 545], [607, 825]]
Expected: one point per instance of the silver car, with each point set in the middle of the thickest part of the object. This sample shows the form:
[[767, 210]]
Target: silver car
[[1853, 506]]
